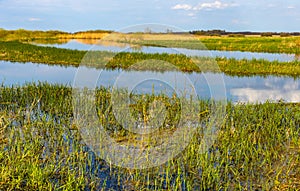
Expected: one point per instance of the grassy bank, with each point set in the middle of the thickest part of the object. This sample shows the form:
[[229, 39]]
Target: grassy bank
[[274, 44], [19, 52], [254, 44], [28, 35], [249, 44], [257, 147]]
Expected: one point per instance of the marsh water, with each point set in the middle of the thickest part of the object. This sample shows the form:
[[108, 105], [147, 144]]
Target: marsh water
[[207, 85], [122, 47], [234, 88]]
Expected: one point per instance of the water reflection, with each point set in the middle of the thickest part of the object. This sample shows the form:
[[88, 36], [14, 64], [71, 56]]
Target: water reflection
[[238, 89], [254, 95], [271, 88], [21, 73], [86, 44]]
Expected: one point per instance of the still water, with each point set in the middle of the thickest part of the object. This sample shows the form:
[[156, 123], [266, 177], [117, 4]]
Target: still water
[[121, 47], [237, 89]]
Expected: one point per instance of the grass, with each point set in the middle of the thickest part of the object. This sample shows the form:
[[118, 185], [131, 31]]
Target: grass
[[27, 35], [19, 52], [255, 44], [289, 45], [257, 147]]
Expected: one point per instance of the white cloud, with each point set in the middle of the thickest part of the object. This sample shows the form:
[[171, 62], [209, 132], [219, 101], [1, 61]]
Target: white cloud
[[291, 7], [34, 19], [214, 5], [204, 6], [182, 6]]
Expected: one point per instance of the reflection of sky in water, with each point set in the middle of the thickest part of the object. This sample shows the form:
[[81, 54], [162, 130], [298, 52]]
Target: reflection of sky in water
[[270, 88], [19, 73], [73, 44], [244, 89]]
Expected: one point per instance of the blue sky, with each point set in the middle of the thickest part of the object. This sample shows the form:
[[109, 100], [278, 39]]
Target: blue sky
[[76, 15]]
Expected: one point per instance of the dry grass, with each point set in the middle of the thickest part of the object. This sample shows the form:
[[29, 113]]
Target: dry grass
[[142, 36], [82, 36]]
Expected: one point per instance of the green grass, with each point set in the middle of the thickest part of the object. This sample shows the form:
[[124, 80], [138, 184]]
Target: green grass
[[257, 147], [19, 52], [250, 44], [255, 44]]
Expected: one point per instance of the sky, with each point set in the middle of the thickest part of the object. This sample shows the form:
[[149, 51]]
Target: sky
[[78, 15]]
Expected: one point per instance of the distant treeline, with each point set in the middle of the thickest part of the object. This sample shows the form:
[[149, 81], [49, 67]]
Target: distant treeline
[[223, 32], [94, 31]]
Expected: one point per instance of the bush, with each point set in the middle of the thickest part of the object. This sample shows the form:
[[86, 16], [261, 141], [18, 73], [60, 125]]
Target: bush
[[236, 35], [284, 34], [267, 34]]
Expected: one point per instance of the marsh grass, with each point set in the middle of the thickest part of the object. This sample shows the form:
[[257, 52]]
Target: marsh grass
[[257, 146], [249, 44]]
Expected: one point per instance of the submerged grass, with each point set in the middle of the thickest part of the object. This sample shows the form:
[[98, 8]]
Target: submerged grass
[[19, 52], [257, 147]]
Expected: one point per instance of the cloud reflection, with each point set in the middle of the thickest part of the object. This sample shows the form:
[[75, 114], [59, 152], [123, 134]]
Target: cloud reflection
[[269, 90]]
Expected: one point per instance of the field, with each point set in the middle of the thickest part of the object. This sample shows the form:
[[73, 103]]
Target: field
[[42, 147]]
